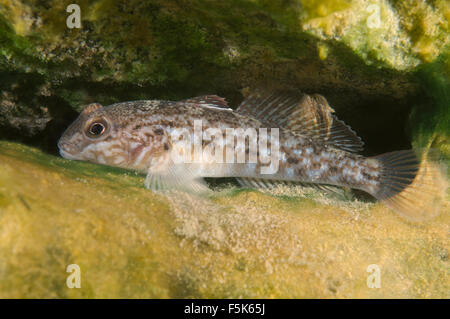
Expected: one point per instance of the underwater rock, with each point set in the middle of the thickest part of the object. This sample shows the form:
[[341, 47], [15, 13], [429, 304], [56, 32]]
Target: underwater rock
[[397, 34], [430, 124], [131, 243]]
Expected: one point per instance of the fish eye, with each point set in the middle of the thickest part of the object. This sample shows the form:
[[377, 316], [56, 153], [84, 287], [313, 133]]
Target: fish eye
[[97, 129]]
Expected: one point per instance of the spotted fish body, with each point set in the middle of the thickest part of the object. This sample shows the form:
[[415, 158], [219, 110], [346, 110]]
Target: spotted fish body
[[314, 146]]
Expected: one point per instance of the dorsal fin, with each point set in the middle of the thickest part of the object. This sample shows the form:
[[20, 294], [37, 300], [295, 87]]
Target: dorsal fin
[[309, 115], [208, 100]]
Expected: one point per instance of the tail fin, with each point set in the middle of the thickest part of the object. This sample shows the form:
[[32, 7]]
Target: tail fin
[[415, 189]]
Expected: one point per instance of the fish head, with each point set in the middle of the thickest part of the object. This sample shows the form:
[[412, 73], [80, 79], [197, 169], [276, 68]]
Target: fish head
[[93, 136]]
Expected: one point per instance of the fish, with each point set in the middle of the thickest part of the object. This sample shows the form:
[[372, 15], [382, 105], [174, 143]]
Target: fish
[[179, 143]]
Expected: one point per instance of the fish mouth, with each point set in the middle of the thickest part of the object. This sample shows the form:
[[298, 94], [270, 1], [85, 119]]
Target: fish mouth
[[63, 151], [66, 154]]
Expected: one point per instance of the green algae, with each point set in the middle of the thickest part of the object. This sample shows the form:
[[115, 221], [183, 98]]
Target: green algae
[[430, 125], [131, 243]]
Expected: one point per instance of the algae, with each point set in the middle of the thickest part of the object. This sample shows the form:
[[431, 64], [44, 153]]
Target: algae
[[132, 243], [431, 124], [399, 34]]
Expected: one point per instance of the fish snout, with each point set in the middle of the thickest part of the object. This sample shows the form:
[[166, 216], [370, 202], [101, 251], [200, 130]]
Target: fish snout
[[65, 149]]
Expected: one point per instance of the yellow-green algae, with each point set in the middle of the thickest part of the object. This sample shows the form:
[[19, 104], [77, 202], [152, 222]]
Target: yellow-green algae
[[400, 34], [132, 243]]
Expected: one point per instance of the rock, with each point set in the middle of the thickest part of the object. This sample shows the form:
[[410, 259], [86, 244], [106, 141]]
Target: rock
[[131, 243], [397, 34], [430, 123]]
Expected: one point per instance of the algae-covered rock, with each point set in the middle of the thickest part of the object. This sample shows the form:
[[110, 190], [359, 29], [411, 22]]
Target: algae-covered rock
[[399, 34], [430, 124], [132, 243]]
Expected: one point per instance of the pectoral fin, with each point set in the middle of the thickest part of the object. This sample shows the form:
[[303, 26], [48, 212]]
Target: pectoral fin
[[177, 177]]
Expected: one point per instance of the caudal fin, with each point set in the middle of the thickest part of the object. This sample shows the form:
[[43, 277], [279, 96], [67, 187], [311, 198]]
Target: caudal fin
[[414, 187]]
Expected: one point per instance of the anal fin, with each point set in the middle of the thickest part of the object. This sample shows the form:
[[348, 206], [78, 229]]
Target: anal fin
[[268, 184], [256, 182]]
